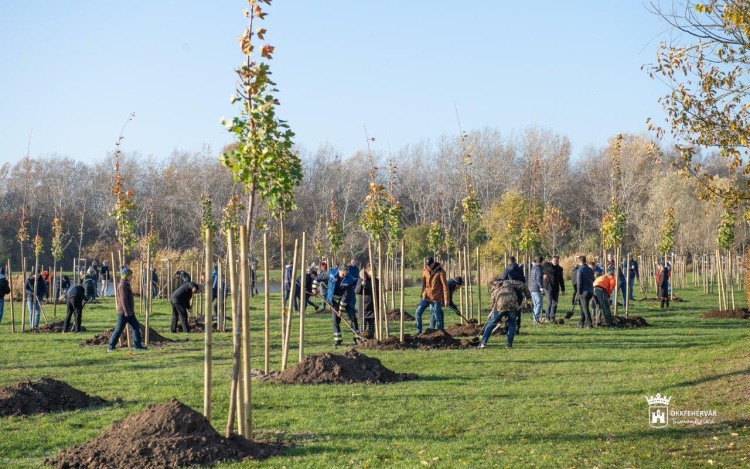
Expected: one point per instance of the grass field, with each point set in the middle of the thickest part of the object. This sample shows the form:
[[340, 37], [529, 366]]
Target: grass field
[[562, 397]]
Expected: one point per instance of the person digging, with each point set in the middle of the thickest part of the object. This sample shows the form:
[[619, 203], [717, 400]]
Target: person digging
[[434, 294], [507, 298], [180, 300], [126, 313], [342, 298], [603, 288], [454, 284], [76, 296]]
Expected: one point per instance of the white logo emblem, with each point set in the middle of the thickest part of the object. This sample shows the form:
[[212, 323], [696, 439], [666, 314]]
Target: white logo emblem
[[658, 410]]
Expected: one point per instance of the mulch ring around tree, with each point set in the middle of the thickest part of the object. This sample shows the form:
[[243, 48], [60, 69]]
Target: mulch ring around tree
[[632, 321], [43, 396], [163, 436], [727, 314], [395, 315], [429, 339], [198, 327], [53, 327], [347, 368], [154, 338]]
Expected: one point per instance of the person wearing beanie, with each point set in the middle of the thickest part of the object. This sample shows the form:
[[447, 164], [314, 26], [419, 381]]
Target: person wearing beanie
[[180, 300], [4, 290], [453, 284], [75, 298], [434, 294], [126, 313]]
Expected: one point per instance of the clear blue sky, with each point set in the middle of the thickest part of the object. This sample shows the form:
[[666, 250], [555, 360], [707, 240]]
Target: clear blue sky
[[74, 70]]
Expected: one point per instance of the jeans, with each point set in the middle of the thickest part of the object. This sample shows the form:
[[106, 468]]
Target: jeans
[[536, 297], [154, 291], [435, 308], [630, 288], [105, 288], [437, 318], [495, 318], [34, 312], [552, 300], [2, 309], [134, 326]]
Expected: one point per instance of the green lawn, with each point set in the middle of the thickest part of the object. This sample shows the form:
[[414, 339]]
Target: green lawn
[[562, 397]]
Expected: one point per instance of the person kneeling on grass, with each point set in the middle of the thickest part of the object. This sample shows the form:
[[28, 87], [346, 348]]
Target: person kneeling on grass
[[75, 298], [126, 313], [180, 300], [341, 297], [507, 298]]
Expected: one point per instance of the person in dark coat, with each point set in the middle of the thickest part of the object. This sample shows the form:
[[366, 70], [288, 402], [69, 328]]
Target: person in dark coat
[[554, 283], [35, 307], [89, 286], [104, 277], [454, 284], [364, 289], [182, 276], [343, 299], [126, 313], [154, 283], [75, 298], [310, 290], [287, 281], [181, 303], [4, 290], [662, 282], [585, 291]]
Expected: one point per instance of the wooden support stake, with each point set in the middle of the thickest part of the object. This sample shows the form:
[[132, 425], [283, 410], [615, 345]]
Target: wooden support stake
[[375, 305], [479, 287], [235, 336], [302, 298], [12, 311], [267, 305], [401, 302], [247, 425], [208, 325], [289, 311]]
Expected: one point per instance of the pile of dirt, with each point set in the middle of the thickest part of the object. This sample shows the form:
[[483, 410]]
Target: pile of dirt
[[429, 339], [632, 321], [727, 314], [43, 396], [348, 368], [163, 436], [197, 326], [53, 327], [154, 338], [395, 315]]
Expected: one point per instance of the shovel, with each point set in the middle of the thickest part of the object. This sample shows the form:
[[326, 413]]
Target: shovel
[[357, 339]]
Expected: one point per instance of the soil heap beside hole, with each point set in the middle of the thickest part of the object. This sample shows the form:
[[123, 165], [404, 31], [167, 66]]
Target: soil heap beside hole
[[43, 396], [53, 327], [632, 321], [197, 326], [395, 315], [162, 436], [429, 339], [154, 338], [727, 314], [348, 368]]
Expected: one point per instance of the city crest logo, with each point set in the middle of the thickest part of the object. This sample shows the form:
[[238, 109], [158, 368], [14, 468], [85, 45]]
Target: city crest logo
[[658, 410]]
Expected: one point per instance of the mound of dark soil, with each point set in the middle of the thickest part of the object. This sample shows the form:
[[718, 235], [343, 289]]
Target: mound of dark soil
[[53, 327], [162, 436], [197, 326], [728, 314], [632, 321], [429, 339], [472, 328], [395, 315], [154, 338], [351, 367], [43, 396]]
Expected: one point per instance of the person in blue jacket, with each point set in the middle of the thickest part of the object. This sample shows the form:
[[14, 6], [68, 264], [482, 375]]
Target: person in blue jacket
[[342, 298]]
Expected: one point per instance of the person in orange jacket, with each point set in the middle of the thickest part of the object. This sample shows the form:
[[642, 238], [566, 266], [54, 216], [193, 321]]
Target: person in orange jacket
[[603, 288]]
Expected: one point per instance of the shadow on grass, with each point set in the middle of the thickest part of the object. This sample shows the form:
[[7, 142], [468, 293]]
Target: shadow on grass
[[708, 379]]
